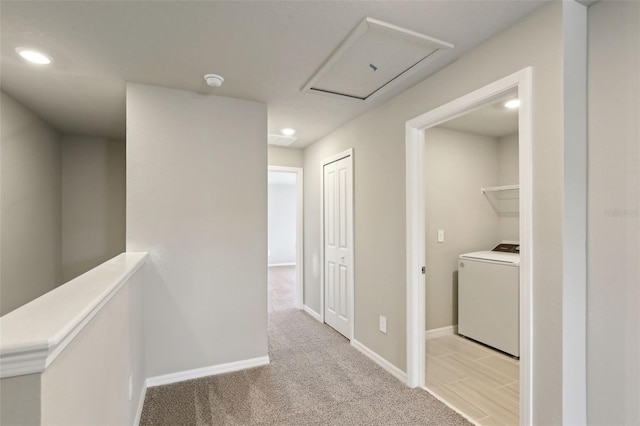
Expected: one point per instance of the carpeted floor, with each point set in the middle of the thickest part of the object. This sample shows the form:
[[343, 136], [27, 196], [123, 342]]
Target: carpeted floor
[[282, 288], [315, 378]]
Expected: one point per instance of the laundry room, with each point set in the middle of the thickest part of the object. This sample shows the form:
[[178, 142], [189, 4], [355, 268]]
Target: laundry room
[[472, 236]]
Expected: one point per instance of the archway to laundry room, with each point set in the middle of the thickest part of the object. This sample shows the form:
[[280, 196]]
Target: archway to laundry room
[[284, 252], [473, 182]]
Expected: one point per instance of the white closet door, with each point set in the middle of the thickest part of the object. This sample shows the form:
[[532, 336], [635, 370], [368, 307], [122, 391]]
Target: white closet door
[[338, 258]]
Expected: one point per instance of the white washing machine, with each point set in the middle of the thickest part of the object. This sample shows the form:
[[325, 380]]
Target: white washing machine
[[489, 297]]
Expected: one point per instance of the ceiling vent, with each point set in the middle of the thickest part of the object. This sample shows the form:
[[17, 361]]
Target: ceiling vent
[[373, 56], [281, 140]]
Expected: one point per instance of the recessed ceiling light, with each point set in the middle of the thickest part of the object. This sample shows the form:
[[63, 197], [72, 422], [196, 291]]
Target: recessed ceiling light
[[287, 131], [512, 104], [33, 56]]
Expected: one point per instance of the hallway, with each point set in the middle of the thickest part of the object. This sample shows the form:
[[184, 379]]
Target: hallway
[[282, 288], [315, 378]]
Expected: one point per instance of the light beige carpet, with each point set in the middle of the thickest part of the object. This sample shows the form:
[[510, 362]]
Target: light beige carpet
[[315, 378], [282, 288]]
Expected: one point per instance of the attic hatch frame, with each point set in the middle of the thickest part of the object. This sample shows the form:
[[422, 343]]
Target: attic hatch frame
[[366, 25], [415, 227]]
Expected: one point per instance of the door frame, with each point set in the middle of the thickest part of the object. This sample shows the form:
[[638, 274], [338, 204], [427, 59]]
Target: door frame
[[415, 222], [350, 290], [299, 228]]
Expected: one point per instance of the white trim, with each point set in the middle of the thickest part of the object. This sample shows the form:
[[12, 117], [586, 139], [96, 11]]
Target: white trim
[[390, 368], [299, 229], [300, 238], [197, 373], [313, 313], [351, 291], [143, 394], [448, 404], [58, 316], [442, 331], [415, 256], [415, 209], [24, 361], [574, 215], [273, 265]]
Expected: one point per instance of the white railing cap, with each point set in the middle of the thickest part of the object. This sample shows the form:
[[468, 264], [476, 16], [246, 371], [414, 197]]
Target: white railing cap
[[32, 336]]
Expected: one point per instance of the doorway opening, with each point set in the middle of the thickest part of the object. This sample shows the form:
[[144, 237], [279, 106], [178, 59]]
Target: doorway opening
[[520, 84], [285, 255], [471, 281]]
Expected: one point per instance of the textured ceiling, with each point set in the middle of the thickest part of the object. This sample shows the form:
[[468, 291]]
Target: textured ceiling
[[266, 51]]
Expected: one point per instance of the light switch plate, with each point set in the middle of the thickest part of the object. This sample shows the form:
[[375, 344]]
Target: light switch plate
[[383, 324]]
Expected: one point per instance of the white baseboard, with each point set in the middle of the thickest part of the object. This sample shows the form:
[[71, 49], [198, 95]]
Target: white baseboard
[[392, 369], [181, 376], [281, 264], [143, 393], [439, 332], [313, 313]]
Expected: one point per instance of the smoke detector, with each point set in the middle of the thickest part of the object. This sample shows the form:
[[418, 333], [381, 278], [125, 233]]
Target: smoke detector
[[214, 80]]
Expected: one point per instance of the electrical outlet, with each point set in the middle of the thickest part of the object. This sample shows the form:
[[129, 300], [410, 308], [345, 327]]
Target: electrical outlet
[[383, 324], [441, 235]]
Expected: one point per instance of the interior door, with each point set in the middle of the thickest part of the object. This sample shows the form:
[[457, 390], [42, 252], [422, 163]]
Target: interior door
[[338, 257]]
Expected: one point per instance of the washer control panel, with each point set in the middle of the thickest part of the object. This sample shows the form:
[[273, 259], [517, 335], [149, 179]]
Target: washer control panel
[[507, 248]]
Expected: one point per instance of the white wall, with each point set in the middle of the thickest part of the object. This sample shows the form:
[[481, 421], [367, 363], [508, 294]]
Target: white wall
[[20, 402], [282, 223], [90, 332], [613, 316], [378, 138], [508, 226], [285, 157], [197, 202], [93, 202], [30, 199], [62, 203], [457, 165], [88, 383]]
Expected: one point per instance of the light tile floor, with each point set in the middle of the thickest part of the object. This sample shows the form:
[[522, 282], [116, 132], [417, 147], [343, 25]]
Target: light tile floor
[[478, 381]]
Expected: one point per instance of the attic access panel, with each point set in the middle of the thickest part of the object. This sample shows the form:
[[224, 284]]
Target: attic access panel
[[370, 58]]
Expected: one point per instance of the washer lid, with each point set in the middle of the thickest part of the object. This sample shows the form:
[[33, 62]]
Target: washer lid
[[493, 256]]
